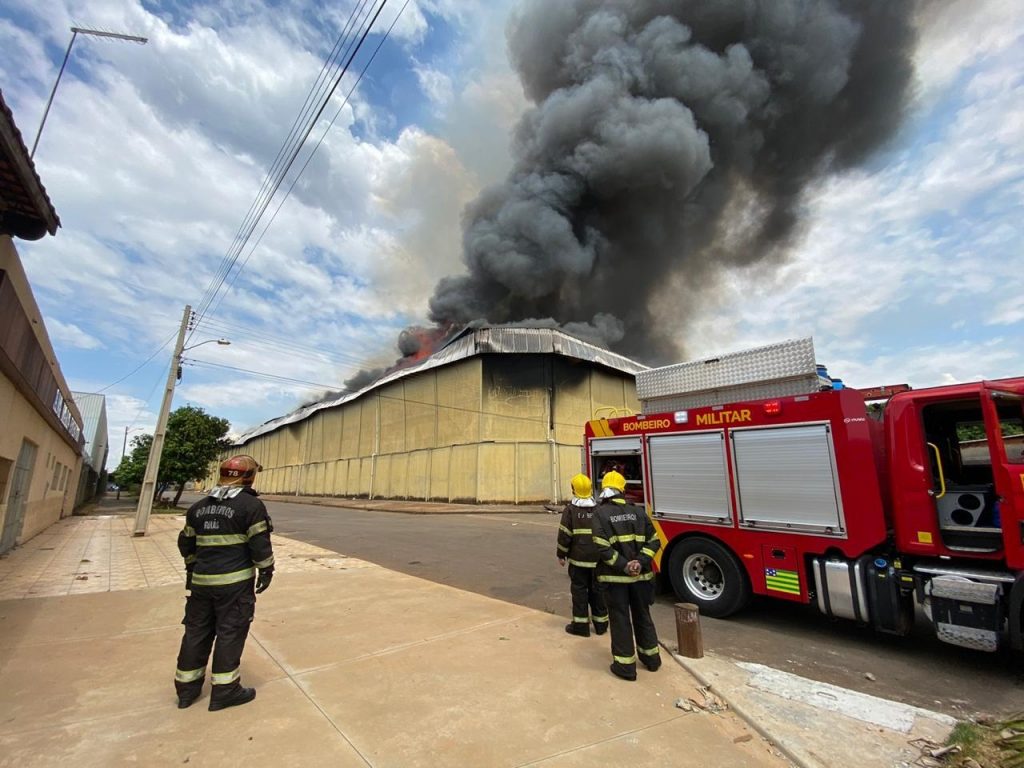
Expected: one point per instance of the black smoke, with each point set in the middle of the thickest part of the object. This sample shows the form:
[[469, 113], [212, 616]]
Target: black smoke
[[670, 140]]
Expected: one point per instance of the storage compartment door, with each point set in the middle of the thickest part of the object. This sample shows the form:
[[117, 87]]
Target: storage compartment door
[[786, 479], [690, 477], [603, 446]]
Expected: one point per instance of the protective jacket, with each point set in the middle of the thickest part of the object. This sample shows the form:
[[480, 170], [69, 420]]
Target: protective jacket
[[575, 534], [623, 532], [226, 538]]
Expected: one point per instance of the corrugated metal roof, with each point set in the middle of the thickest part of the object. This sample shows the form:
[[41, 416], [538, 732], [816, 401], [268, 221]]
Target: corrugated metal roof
[[22, 189], [94, 426], [464, 345]]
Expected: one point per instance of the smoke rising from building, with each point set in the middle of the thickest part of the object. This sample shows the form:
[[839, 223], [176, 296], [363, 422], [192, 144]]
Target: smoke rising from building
[[669, 139]]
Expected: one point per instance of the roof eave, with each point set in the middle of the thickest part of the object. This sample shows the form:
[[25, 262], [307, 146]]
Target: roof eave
[[14, 147]]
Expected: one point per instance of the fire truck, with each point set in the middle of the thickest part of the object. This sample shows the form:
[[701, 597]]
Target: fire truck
[[763, 476]]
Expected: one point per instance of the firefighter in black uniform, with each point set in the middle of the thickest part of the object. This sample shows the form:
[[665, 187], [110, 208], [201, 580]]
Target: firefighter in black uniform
[[627, 544], [576, 544], [225, 543]]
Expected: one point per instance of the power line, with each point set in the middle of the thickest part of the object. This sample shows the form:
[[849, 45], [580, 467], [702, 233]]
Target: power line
[[141, 366], [330, 125], [273, 172], [216, 286], [262, 374], [291, 347], [280, 341]]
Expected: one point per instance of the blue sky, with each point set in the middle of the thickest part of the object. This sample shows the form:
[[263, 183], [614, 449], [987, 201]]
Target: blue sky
[[909, 269]]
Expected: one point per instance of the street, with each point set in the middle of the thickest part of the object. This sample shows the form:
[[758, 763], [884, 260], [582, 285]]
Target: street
[[511, 557]]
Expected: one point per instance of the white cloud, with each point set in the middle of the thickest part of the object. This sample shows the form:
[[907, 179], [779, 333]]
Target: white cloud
[[957, 34], [71, 335], [436, 85]]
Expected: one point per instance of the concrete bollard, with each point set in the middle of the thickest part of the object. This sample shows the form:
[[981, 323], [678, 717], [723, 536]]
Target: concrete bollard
[[688, 636]]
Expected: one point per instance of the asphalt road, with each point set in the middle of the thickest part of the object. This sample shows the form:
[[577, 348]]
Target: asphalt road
[[511, 557]]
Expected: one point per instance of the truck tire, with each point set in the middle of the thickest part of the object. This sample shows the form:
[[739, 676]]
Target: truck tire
[[707, 574]]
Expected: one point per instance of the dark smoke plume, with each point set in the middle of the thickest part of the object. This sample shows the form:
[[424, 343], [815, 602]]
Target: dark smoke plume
[[670, 139]]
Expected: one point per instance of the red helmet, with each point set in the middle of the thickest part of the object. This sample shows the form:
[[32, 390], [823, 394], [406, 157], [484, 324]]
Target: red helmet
[[239, 470]]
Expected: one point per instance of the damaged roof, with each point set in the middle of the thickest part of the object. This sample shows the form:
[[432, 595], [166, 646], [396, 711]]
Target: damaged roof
[[469, 342], [25, 209]]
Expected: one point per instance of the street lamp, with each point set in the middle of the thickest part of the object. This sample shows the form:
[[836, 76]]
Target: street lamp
[[75, 32], [148, 489]]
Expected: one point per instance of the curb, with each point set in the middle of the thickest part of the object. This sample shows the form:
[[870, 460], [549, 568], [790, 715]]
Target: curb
[[742, 713], [351, 504]]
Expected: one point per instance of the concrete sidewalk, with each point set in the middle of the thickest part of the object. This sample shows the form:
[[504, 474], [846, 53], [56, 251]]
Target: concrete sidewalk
[[354, 665]]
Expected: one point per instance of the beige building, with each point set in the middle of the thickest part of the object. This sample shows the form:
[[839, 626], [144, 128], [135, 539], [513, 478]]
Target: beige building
[[41, 439], [496, 415]]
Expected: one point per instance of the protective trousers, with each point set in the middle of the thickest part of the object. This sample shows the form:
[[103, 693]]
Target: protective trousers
[[629, 608], [586, 593], [224, 613]]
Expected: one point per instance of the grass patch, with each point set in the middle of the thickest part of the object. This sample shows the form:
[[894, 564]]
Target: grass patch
[[988, 744], [966, 736]]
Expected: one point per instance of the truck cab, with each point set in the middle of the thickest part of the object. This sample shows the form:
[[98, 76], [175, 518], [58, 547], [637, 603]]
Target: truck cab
[[955, 461]]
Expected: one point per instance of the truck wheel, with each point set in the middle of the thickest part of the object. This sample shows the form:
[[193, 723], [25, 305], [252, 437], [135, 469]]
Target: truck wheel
[[707, 574]]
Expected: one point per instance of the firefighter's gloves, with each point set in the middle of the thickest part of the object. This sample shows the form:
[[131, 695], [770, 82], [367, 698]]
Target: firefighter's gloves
[[264, 579]]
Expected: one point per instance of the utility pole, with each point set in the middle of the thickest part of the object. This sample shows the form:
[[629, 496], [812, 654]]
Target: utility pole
[[124, 449], [148, 489]]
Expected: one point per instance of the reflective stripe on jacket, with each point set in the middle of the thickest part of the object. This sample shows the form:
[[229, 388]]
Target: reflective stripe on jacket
[[575, 534]]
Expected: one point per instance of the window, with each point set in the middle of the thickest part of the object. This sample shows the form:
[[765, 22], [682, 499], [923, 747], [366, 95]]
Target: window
[[55, 483]]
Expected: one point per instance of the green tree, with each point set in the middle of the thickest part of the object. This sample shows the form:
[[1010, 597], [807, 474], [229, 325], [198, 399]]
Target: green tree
[[132, 468], [194, 439]]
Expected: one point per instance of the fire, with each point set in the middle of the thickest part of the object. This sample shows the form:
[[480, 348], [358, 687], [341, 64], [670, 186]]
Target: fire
[[417, 343]]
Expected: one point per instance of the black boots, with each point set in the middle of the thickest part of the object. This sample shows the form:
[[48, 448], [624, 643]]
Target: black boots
[[582, 630], [239, 696], [623, 672], [184, 702]]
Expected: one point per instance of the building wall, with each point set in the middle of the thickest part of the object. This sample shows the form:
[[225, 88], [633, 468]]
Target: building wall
[[35, 405], [54, 479], [493, 428]]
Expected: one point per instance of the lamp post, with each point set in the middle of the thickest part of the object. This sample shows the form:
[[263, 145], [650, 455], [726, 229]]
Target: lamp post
[[148, 489], [75, 32]]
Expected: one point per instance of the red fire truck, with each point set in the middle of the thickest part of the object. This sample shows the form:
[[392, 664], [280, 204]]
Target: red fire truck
[[762, 477]]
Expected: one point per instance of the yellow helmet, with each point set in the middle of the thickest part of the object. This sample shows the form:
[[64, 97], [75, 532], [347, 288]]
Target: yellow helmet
[[614, 480], [581, 487]]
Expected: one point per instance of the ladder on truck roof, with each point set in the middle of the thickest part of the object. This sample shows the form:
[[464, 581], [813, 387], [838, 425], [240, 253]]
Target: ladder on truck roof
[[776, 370]]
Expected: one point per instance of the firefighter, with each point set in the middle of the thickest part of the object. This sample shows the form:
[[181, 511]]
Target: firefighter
[[576, 544], [225, 543], [627, 543]]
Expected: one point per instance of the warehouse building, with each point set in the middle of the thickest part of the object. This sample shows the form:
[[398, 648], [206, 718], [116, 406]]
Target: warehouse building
[[92, 481], [496, 415]]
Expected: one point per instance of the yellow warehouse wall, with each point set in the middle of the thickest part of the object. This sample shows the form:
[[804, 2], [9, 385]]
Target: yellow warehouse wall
[[494, 428]]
